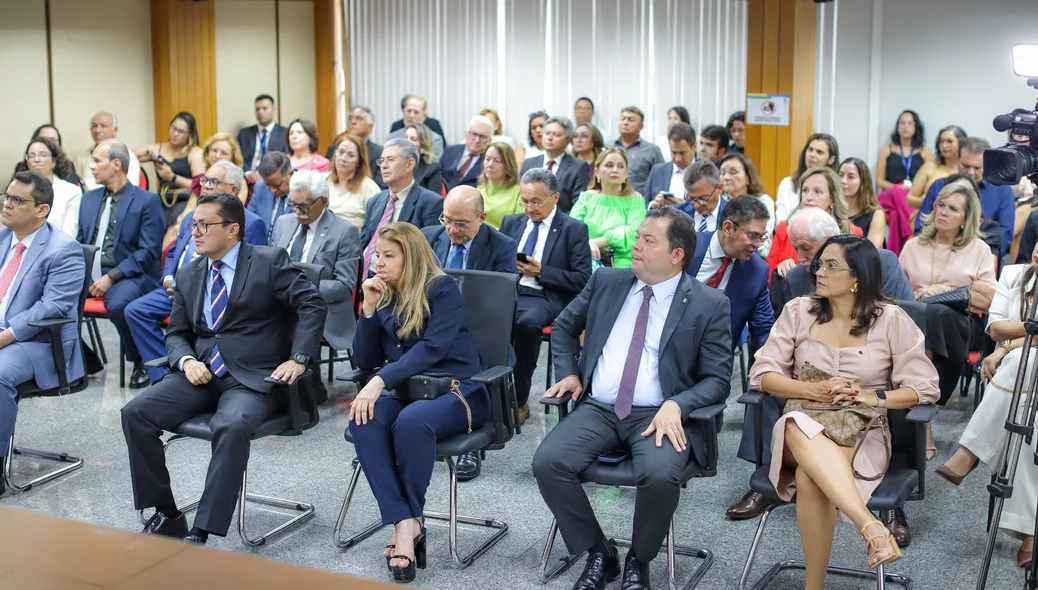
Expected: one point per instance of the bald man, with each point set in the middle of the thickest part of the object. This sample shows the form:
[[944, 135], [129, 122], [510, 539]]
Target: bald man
[[463, 240], [104, 126]]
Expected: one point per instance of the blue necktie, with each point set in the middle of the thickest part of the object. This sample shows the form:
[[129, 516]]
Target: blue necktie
[[531, 240], [457, 259], [218, 295], [263, 143], [702, 224]]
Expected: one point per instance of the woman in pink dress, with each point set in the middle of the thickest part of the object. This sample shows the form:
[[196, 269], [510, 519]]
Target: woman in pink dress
[[850, 331], [303, 147]]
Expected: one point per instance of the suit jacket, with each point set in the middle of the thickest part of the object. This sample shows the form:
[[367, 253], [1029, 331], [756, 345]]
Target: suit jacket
[[747, 292], [139, 229], [262, 204], [450, 161], [444, 345], [47, 287], [566, 260], [248, 140], [695, 352], [429, 176], [799, 282], [257, 333], [572, 177], [336, 248], [422, 208], [255, 234], [490, 249], [431, 123], [659, 181]]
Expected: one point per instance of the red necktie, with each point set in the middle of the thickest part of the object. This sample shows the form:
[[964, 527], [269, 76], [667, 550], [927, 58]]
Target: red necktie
[[551, 164], [716, 279], [12, 269], [465, 166]]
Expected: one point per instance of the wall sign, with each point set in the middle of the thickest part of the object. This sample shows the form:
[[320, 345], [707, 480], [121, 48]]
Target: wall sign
[[767, 109]]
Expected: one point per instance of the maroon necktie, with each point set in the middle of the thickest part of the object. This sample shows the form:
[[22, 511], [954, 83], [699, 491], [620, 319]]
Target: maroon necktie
[[715, 280], [465, 166], [625, 395], [551, 164]]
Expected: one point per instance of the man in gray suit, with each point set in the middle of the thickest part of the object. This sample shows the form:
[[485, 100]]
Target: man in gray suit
[[314, 235], [658, 348], [31, 247]]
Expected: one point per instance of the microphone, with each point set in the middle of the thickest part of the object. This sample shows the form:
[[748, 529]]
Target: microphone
[[1005, 122]]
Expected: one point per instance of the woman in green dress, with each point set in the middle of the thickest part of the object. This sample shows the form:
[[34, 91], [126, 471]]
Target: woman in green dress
[[499, 183], [611, 209]]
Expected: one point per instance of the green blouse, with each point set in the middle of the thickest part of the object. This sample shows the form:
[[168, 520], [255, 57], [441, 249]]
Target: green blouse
[[499, 202], [614, 218]]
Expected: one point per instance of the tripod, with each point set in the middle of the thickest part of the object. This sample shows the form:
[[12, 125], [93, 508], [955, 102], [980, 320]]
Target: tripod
[[1020, 425]]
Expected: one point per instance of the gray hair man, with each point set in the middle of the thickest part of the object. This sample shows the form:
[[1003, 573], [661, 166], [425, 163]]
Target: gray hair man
[[104, 125]]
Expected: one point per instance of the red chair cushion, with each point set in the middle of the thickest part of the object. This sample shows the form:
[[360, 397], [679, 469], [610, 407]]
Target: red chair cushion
[[546, 331], [95, 306], [974, 358], [165, 323]]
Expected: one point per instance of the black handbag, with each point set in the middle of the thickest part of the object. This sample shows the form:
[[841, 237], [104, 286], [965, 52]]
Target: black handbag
[[957, 299], [431, 386]]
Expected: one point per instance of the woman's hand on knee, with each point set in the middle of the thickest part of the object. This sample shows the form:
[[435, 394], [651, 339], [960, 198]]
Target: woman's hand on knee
[[363, 407]]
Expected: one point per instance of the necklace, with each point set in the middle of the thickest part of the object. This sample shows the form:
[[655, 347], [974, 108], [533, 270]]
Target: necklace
[[933, 263]]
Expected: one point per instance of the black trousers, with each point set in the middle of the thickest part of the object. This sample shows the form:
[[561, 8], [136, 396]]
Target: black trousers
[[237, 412], [534, 312], [592, 430]]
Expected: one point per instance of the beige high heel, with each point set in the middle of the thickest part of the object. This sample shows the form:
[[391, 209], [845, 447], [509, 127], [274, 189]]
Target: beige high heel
[[873, 547]]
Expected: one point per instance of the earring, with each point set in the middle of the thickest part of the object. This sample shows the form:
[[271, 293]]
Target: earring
[[854, 288]]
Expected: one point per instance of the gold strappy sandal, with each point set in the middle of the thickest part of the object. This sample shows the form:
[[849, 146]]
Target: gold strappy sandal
[[874, 548]]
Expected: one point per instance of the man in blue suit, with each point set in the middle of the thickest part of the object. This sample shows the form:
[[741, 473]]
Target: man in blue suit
[[127, 226], [270, 196], [53, 262], [404, 200], [463, 240], [669, 177], [463, 162], [555, 264], [146, 313]]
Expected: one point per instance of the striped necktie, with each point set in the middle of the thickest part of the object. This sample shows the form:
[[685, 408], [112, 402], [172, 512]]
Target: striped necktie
[[218, 295]]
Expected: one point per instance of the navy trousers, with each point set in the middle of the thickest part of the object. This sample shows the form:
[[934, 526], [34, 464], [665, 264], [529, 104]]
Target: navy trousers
[[398, 448], [534, 313], [144, 317], [117, 298]]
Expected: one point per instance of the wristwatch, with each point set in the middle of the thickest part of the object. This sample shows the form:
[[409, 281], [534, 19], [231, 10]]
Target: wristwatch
[[1006, 344], [881, 397], [301, 358]]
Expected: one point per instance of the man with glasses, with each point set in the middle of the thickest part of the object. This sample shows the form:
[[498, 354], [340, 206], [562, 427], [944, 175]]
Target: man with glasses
[[241, 314], [127, 226], [31, 246], [702, 195], [463, 163], [145, 315], [571, 172], [270, 195], [555, 264], [315, 235]]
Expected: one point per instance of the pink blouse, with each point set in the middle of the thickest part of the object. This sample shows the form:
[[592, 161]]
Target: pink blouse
[[933, 263], [318, 163]]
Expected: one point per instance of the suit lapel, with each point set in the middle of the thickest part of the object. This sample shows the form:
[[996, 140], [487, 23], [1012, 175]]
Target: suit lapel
[[677, 309], [241, 274], [5, 245], [321, 232], [616, 302], [124, 207], [739, 268], [28, 259], [199, 277], [517, 229], [409, 204], [553, 236], [479, 244], [442, 247], [702, 245]]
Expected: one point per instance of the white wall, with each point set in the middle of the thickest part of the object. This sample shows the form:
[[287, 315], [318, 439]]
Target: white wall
[[949, 60]]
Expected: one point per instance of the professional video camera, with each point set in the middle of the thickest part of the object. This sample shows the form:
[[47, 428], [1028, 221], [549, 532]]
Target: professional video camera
[[1018, 158]]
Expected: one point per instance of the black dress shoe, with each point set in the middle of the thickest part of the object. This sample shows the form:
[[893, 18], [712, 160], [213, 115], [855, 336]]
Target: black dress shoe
[[320, 389], [3, 469], [750, 506], [468, 466], [160, 524], [139, 379], [600, 569], [636, 574], [194, 540], [896, 522]]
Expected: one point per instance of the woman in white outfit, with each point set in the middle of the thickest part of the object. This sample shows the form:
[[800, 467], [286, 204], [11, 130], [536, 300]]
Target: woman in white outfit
[[985, 437], [45, 156]]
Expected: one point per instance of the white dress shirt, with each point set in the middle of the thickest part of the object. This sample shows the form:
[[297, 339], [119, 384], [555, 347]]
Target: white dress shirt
[[27, 240], [712, 262], [677, 183], [605, 383], [711, 218], [554, 167], [538, 249]]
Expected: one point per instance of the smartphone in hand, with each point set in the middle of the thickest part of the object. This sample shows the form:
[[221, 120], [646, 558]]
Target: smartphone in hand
[[522, 257]]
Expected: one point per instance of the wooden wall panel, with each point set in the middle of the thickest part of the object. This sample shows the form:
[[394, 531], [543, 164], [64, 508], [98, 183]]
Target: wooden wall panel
[[184, 64], [325, 26]]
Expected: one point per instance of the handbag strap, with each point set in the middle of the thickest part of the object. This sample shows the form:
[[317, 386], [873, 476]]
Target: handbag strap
[[456, 390], [886, 439]]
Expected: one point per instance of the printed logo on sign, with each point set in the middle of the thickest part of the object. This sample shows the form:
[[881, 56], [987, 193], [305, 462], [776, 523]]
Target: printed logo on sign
[[767, 108]]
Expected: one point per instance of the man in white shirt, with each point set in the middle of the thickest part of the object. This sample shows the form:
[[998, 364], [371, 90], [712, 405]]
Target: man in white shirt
[[666, 184], [104, 125], [657, 346]]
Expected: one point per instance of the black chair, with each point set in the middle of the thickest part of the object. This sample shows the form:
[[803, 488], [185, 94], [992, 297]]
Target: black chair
[[622, 475], [904, 481], [490, 299], [29, 389]]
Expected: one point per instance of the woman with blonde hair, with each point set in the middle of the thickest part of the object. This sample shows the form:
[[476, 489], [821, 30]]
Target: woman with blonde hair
[[349, 183], [428, 172], [222, 146], [499, 184], [611, 209], [740, 177], [862, 205], [413, 322]]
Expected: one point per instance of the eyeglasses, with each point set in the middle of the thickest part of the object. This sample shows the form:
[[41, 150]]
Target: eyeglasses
[[203, 228], [479, 136], [461, 225], [755, 238], [818, 266], [389, 160], [14, 201], [303, 208], [37, 156], [211, 182], [533, 204], [701, 200]]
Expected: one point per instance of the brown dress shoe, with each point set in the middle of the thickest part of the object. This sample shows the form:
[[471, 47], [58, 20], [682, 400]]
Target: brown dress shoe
[[896, 522], [524, 413], [750, 506]]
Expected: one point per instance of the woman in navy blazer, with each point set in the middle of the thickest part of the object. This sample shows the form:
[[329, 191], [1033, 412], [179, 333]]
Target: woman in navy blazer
[[413, 322]]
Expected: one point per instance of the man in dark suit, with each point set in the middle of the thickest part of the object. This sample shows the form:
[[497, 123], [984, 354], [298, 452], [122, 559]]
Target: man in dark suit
[[570, 172], [41, 278], [127, 226], [270, 195], [404, 200], [413, 108], [464, 240], [265, 136], [231, 327], [555, 266], [360, 123], [146, 314], [657, 347], [666, 184], [463, 163]]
